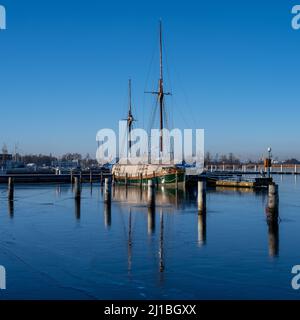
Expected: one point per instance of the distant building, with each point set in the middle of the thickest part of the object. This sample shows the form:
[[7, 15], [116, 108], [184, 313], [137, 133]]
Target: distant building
[[66, 164], [5, 160]]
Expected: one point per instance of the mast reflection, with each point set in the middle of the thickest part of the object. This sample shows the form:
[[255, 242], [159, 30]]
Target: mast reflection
[[161, 244]]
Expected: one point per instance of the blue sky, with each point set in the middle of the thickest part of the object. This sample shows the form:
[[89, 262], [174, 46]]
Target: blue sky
[[233, 68]]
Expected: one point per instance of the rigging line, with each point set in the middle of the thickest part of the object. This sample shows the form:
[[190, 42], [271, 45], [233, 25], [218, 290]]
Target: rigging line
[[185, 96], [171, 115], [147, 79], [166, 118], [182, 114], [152, 119]]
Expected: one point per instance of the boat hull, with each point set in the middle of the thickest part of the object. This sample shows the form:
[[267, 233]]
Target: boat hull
[[141, 174]]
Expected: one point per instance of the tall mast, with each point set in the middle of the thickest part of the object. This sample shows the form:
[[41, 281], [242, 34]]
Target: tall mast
[[160, 93], [130, 117], [161, 90]]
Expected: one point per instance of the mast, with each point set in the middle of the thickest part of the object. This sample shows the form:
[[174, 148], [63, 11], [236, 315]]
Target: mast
[[161, 90], [160, 93], [129, 117]]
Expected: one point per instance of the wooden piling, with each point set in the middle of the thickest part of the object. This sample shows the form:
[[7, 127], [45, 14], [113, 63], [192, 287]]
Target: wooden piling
[[273, 198], [77, 188], [141, 180], [201, 196], [10, 189], [91, 176], [107, 190]]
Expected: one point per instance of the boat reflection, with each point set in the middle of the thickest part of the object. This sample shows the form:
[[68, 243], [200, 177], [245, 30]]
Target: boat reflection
[[163, 196]]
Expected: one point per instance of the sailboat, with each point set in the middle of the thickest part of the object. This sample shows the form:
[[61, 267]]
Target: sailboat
[[141, 173]]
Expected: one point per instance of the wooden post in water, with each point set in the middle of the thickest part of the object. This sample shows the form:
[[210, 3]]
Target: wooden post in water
[[10, 189], [201, 196], [91, 176], [101, 178], [141, 180], [272, 219], [80, 177], [71, 176], [155, 179], [107, 190], [151, 194], [77, 188], [126, 179], [273, 198]]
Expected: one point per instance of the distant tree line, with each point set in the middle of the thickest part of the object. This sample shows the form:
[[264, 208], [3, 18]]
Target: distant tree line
[[220, 159], [231, 159], [48, 160]]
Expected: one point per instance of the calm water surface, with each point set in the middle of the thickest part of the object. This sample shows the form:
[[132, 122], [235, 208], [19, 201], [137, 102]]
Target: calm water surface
[[55, 248]]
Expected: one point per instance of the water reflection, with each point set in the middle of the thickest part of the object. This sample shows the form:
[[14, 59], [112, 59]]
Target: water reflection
[[163, 196], [201, 229], [107, 215], [273, 231], [161, 244], [11, 208], [78, 208], [129, 242], [151, 220]]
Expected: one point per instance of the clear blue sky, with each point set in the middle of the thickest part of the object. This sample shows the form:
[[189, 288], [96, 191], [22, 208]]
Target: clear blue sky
[[233, 66]]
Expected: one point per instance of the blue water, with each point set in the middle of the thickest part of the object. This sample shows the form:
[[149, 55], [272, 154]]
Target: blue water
[[55, 248]]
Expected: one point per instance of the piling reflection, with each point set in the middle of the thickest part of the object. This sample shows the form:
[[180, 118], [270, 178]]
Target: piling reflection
[[151, 220], [78, 208], [201, 229], [11, 208], [273, 232], [58, 190], [107, 215]]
